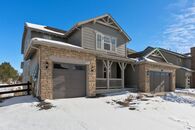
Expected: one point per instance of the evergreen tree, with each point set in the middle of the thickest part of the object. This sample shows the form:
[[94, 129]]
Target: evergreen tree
[[8, 73]]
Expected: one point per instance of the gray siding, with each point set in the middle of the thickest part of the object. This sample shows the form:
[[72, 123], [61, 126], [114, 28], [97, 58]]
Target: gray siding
[[30, 67], [159, 59], [180, 78], [115, 70], [185, 62], [41, 35], [75, 38], [26, 72], [89, 37], [173, 58], [33, 63], [32, 34], [99, 69], [27, 40]]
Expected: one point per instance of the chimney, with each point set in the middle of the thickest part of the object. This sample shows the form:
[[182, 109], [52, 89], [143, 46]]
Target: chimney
[[193, 65]]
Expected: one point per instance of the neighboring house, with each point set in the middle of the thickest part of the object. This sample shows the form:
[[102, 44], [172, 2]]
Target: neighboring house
[[183, 61], [89, 58]]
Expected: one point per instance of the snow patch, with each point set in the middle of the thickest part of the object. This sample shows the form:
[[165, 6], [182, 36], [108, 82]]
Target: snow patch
[[54, 43], [179, 99], [18, 100], [95, 114], [186, 91], [43, 28]]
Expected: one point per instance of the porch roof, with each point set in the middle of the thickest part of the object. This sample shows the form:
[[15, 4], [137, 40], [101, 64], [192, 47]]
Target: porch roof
[[115, 58]]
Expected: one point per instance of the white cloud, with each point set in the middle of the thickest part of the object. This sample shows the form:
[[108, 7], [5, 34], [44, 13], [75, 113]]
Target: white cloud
[[180, 35]]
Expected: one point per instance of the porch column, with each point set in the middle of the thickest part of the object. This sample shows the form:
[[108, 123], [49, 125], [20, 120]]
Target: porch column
[[108, 65], [123, 66], [107, 74]]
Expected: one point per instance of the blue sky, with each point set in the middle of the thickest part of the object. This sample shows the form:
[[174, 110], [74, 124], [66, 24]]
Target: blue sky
[[164, 23]]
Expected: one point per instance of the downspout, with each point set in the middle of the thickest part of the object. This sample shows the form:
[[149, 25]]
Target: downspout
[[39, 73]]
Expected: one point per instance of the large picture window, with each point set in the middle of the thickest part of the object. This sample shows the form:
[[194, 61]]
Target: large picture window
[[104, 42]]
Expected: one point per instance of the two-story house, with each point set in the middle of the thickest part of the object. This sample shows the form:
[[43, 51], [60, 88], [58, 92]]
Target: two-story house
[[83, 61], [89, 58], [183, 61]]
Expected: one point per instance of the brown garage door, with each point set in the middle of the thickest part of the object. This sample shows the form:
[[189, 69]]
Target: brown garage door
[[159, 81], [69, 81]]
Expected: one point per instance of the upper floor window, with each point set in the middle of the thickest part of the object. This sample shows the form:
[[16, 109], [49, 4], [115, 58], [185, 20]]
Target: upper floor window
[[98, 41], [104, 42]]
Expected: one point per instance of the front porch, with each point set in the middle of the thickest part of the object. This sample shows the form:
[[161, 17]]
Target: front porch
[[109, 75]]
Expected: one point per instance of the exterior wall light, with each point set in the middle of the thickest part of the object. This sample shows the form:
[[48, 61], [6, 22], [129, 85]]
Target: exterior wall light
[[92, 68], [46, 65]]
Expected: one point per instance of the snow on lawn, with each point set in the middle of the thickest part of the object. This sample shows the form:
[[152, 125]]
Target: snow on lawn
[[103, 113], [186, 91]]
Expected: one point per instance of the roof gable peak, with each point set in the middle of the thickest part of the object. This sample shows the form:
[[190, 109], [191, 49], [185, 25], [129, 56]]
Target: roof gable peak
[[106, 20], [156, 52]]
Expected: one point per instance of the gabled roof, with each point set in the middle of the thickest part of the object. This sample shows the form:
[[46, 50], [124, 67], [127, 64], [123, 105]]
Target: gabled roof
[[146, 53], [45, 29], [157, 52], [105, 19], [141, 53], [41, 28], [149, 49], [174, 53]]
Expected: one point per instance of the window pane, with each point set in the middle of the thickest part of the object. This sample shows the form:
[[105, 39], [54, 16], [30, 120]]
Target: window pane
[[113, 44], [99, 41], [106, 39], [106, 46]]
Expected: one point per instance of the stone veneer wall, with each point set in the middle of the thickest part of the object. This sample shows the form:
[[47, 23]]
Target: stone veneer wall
[[46, 78], [144, 78]]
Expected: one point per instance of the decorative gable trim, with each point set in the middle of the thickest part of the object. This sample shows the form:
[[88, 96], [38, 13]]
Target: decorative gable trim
[[106, 20], [157, 51]]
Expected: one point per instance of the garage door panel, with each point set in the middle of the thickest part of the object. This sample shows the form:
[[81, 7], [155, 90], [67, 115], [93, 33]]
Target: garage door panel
[[74, 93], [59, 81], [151, 82], [167, 88], [159, 81], [69, 81]]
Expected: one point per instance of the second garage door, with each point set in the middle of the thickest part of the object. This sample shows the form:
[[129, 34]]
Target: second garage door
[[159, 81], [69, 81]]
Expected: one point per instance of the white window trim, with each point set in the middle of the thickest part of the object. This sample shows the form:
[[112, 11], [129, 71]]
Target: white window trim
[[102, 42], [97, 40]]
